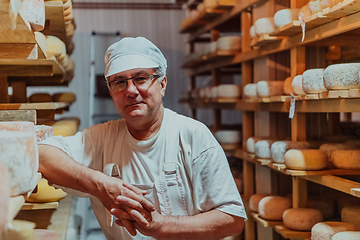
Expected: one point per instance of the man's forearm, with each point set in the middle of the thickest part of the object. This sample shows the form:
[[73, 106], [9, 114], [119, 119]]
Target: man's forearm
[[58, 168]]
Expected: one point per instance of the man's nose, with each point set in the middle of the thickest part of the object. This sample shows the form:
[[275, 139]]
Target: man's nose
[[131, 88]]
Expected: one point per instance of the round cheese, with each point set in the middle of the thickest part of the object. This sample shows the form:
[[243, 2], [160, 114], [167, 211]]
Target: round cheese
[[228, 136], [348, 235], [297, 85], [40, 97], [19, 152], [273, 207], [254, 201], [214, 92], [64, 97], [229, 43], [329, 148], [301, 219], [250, 90], [325, 230], [342, 76], [229, 90], [351, 214], [210, 3], [325, 205], [285, 16], [288, 88], [262, 148], [250, 144], [346, 201], [269, 88], [279, 148], [264, 25], [325, 3], [43, 132], [313, 81], [314, 6], [252, 31], [306, 159], [304, 12], [55, 47], [346, 159]]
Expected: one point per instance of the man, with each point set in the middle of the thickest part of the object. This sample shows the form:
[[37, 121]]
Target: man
[[173, 178]]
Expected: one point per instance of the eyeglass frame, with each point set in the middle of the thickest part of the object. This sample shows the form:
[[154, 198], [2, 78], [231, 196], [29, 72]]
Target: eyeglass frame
[[151, 78]]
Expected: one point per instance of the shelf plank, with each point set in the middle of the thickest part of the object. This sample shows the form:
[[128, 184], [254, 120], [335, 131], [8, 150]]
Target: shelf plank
[[264, 39], [317, 34], [36, 106], [291, 234], [39, 206], [218, 54], [288, 30], [226, 16], [334, 182], [344, 8], [265, 223]]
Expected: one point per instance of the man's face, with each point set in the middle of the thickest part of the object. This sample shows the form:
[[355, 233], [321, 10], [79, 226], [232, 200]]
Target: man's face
[[136, 102]]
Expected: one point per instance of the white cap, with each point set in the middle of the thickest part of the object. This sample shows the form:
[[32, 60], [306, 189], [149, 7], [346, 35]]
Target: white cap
[[130, 53]]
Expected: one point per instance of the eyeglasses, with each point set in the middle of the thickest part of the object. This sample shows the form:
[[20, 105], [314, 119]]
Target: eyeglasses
[[140, 81]]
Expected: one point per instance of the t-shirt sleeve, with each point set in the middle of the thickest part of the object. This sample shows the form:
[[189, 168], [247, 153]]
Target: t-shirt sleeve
[[213, 184]]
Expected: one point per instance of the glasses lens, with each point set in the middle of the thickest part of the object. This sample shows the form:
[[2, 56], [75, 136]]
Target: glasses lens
[[117, 85]]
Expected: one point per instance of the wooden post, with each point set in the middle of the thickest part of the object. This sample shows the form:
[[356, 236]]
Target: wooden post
[[298, 127], [4, 86], [19, 92], [299, 192]]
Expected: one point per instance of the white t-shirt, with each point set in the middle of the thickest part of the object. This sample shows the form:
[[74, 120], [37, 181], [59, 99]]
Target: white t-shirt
[[204, 169]]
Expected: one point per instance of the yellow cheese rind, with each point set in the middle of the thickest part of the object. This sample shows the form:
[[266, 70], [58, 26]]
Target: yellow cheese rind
[[254, 201], [306, 159], [346, 159], [301, 219], [273, 207]]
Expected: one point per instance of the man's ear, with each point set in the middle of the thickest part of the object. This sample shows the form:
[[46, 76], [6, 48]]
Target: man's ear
[[163, 86]]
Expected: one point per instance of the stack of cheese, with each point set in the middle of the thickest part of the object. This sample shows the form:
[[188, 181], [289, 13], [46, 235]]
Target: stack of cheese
[[19, 152]]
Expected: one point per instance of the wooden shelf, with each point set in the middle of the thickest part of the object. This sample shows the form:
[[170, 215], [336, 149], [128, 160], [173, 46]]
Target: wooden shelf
[[214, 56], [39, 206], [301, 106], [226, 16], [54, 20], [265, 223], [314, 35], [290, 234], [265, 39]]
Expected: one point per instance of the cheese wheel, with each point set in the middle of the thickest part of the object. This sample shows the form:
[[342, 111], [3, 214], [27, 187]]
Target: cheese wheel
[[304, 12], [279, 148], [19, 230], [351, 214], [228, 136], [346, 159], [229, 43], [342, 76], [5, 193], [301, 219], [214, 92], [273, 207], [250, 90], [34, 12], [264, 25], [288, 88], [348, 235], [346, 201], [46, 193], [250, 143], [324, 204], [286, 16], [43, 132], [19, 152], [229, 90], [313, 81], [314, 6], [40, 97], [210, 3], [64, 97], [269, 88], [262, 148], [297, 85], [329, 148], [254, 201], [325, 4], [252, 31], [325, 230], [55, 47], [41, 40], [306, 159]]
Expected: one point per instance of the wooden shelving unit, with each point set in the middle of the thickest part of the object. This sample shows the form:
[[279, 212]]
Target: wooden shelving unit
[[337, 26]]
